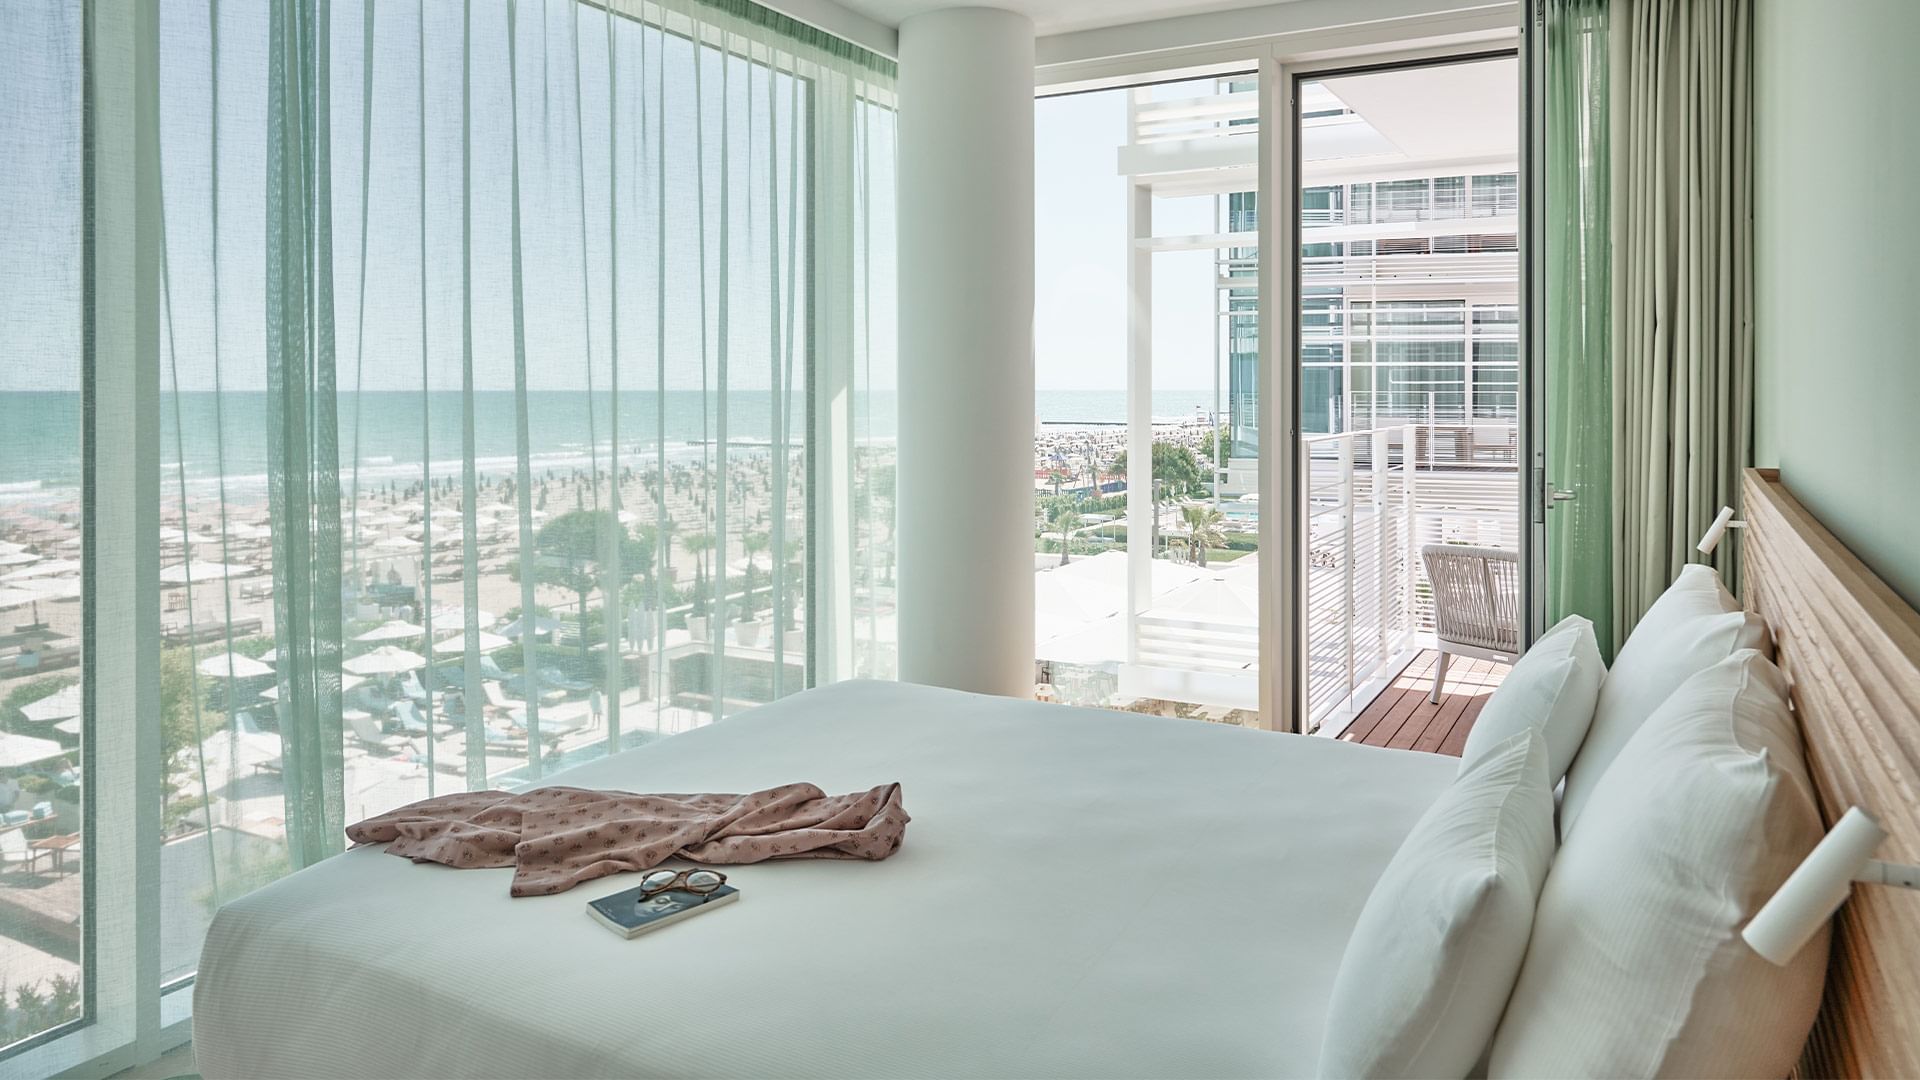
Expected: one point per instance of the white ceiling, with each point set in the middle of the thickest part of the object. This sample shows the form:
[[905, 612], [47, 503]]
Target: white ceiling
[[1056, 16], [1440, 112]]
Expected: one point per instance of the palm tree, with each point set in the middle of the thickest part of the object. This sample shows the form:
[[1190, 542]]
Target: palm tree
[[754, 543], [1203, 529], [1065, 520], [697, 545]]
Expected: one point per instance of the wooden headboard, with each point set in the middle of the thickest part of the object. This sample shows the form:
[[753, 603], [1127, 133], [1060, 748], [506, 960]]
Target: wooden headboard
[[1852, 648]]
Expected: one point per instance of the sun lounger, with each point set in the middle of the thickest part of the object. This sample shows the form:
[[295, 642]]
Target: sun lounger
[[15, 849], [363, 727]]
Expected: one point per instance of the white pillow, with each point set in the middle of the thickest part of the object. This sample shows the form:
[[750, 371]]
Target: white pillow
[[1440, 940], [1694, 625], [1552, 688], [1637, 967]]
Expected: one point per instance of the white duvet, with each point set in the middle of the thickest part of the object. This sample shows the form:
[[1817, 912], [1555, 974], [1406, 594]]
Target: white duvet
[[1081, 893]]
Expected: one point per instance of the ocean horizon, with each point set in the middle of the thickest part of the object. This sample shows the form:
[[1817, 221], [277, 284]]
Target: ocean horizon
[[225, 435]]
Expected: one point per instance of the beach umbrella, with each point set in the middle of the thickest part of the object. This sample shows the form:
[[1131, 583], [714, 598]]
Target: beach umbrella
[[243, 667], [203, 571], [18, 750], [54, 589], [541, 625], [458, 643], [59, 705], [347, 682], [394, 630], [446, 513], [385, 660], [13, 598], [454, 614], [46, 568], [17, 558], [32, 592], [249, 748]]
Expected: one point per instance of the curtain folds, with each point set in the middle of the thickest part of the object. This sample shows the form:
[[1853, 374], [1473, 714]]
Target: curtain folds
[[1578, 279], [1682, 283], [528, 377]]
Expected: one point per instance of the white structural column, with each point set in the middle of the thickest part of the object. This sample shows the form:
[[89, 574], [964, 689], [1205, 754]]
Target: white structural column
[[966, 350]]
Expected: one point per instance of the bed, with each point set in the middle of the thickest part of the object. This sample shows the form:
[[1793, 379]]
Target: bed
[[1081, 893]]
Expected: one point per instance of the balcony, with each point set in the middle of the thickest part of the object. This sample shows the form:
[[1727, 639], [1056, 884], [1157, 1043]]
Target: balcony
[[1370, 499]]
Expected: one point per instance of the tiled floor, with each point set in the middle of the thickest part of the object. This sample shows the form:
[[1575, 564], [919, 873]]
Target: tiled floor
[[1403, 718]]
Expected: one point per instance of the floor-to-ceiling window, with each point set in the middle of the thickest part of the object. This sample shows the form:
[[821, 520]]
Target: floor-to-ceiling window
[[1147, 434], [517, 387], [43, 979]]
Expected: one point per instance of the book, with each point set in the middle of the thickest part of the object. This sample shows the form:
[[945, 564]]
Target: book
[[629, 915]]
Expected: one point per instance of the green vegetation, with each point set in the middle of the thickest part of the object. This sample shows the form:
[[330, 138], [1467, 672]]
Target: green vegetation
[[1064, 519], [571, 549], [26, 693], [1176, 471], [1176, 474], [34, 1007], [1204, 531], [1219, 445], [185, 714]]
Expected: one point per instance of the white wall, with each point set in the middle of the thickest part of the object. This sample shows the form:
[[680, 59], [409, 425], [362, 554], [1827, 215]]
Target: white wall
[[1837, 277]]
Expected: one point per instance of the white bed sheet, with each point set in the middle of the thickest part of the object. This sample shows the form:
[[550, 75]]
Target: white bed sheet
[[1081, 893]]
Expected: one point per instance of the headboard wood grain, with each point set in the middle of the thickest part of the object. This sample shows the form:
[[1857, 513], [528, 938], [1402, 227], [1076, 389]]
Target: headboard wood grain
[[1851, 646]]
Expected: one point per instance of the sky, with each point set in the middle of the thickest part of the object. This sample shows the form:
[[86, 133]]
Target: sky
[[1080, 323], [1080, 258], [573, 154]]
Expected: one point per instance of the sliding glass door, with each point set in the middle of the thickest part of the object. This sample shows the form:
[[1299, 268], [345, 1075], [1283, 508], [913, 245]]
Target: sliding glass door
[[1407, 322]]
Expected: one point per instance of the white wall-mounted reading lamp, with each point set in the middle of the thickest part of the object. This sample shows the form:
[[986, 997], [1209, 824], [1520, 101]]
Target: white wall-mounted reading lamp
[[1818, 886], [1721, 523]]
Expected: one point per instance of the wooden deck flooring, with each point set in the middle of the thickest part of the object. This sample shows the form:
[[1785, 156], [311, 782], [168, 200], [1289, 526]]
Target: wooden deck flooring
[[1403, 718]]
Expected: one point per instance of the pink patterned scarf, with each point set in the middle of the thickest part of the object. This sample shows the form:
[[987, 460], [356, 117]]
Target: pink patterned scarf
[[557, 837]]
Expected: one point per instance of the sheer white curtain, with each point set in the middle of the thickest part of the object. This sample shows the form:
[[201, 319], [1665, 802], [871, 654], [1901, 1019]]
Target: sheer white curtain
[[522, 376], [568, 374]]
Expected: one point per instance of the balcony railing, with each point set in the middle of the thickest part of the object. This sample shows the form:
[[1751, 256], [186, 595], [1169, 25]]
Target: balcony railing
[[1360, 504], [1372, 498]]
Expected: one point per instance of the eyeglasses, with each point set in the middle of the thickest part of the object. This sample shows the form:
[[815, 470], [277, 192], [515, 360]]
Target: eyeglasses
[[693, 881]]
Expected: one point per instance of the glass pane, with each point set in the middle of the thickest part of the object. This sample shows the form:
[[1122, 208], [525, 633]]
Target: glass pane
[[42, 891], [1164, 621], [221, 811], [562, 535], [1409, 402]]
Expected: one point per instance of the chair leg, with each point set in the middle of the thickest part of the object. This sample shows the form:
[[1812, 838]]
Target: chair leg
[[1439, 677]]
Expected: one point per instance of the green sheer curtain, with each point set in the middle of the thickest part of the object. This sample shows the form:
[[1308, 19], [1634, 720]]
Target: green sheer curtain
[[1682, 283], [1578, 278], [526, 374]]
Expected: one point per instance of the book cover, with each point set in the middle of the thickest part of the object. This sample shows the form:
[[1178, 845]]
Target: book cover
[[629, 915]]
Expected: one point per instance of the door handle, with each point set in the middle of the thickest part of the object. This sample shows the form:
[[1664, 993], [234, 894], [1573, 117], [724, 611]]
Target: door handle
[[1546, 495]]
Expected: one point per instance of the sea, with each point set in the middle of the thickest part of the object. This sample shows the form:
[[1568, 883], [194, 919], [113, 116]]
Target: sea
[[40, 431]]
